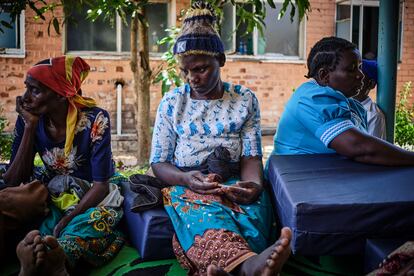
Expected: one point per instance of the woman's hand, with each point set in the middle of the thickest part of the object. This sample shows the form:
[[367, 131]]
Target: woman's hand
[[29, 118], [64, 221], [243, 192], [201, 183]]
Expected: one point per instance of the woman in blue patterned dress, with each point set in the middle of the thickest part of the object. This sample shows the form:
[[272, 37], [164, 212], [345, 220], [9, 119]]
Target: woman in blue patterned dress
[[225, 227], [72, 137]]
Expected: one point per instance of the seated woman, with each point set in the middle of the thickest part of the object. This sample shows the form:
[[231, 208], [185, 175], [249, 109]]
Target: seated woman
[[220, 227], [72, 137], [322, 117]]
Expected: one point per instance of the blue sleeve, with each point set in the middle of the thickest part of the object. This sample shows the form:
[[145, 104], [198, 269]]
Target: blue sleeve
[[251, 132], [101, 155], [164, 136], [325, 113]]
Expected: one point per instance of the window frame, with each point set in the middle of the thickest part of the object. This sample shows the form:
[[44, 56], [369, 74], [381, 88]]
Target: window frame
[[119, 54], [368, 3], [233, 55], [21, 51]]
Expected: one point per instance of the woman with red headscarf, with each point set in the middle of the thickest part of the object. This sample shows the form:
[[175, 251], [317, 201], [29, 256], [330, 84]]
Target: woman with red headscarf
[[72, 137]]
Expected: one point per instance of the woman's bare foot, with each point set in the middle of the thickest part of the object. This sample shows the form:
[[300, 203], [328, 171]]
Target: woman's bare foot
[[267, 263], [53, 259], [271, 260], [28, 251]]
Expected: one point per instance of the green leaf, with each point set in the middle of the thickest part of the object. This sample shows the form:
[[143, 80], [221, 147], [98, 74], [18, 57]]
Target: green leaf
[[56, 25], [271, 4], [6, 24], [292, 12], [283, 9], [48, 27], [36, 10], [258, 5]]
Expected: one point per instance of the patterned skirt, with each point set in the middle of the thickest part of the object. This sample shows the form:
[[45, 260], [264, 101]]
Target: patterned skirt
[[211, 229], [92, 235]]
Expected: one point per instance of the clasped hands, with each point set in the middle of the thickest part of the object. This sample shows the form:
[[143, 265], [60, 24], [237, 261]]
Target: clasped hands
[[243, 192]]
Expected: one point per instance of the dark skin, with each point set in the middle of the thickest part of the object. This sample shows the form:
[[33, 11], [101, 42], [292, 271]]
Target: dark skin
[[40, 100], [348, 78], [369, 84], [203, 74]]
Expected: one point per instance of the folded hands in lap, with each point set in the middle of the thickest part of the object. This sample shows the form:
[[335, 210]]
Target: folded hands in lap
[[243, 192]]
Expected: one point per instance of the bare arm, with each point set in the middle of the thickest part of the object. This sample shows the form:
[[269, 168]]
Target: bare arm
[[168, 173], [368, 149], [92, 198], [20, 169], [15, 200], [251, 185], [252, 169]]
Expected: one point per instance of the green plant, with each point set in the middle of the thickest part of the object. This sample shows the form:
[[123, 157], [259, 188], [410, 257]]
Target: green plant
[[404, 121], [168, 75], [5, 139]]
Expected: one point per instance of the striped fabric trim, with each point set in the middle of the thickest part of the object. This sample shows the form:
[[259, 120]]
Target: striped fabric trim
[[334, 130], [69, 60], [197, 52]]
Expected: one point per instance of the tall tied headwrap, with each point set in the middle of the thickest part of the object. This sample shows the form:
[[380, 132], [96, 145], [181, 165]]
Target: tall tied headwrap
[[198, 34], [64, 75]]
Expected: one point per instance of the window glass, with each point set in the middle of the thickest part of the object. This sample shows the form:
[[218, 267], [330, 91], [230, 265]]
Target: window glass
[[11, 37], [157, 15], [244, 42], [343, 21], [370, 22], [84, 35], [370, 32], [355, 24], [281, 37], [343, 11], [227, 27]]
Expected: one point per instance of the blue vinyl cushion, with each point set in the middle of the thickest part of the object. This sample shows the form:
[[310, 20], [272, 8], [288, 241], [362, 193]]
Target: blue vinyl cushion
[[334, 204], [151, 231]]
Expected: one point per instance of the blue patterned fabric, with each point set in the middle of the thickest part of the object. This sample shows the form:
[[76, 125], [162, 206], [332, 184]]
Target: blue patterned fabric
[[91, 156], [193, 214], [186, 130], [91, 235], [313, 117]]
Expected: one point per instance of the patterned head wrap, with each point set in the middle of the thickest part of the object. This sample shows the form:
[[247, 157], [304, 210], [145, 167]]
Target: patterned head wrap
[[64, 75], [198, 34], [370, 69]]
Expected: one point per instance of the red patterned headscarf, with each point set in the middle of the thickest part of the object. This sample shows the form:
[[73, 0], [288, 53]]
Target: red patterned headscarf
[[64, 75]]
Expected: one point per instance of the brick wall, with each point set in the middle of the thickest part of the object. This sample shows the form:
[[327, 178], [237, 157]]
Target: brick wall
[[273, 82], [406, 67]]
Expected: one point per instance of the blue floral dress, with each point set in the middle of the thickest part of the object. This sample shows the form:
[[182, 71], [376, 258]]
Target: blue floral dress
[[210, 229], [91, 235]]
